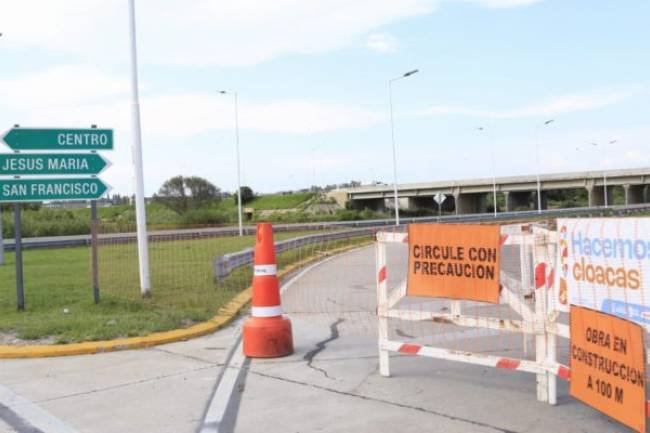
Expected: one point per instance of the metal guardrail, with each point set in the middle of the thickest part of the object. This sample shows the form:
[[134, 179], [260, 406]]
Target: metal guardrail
[[165, 235], [224, 265]]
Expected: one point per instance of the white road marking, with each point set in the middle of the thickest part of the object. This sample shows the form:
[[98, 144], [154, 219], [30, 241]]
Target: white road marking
[[31, 413], [217, 409], [216, 412]]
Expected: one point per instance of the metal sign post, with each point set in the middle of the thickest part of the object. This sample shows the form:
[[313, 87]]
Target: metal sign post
[[94, 248], [18, 249], [2, 241], [439, 198]]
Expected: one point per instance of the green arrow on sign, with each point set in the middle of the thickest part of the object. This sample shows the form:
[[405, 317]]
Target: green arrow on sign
[[13, 190], [59, 139], [52, 163]]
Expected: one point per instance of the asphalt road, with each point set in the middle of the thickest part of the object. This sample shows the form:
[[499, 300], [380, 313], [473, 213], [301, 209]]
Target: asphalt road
[[330, 383]]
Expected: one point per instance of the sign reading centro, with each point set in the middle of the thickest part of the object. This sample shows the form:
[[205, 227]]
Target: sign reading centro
[[608, 365], [454, 261]]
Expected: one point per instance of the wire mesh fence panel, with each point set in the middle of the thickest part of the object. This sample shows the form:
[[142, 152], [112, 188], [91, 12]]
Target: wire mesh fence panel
[[602, 265], [196, 271], [467, 326], [337, 286]]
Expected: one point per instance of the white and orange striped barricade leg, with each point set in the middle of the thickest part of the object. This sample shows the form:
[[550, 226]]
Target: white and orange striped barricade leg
[[267, 334], [384, 303]]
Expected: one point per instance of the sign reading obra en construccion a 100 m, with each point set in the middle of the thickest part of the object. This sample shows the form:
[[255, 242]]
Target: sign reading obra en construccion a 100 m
[[604, 264]]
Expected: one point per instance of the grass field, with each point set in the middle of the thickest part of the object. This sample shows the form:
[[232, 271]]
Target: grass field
[[58, 292], [279, 201]]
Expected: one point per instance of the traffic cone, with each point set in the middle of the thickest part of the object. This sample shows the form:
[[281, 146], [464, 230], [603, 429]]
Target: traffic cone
[[267, 334]]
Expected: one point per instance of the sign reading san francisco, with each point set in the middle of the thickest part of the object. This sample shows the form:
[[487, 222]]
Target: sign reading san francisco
[[15, 190], [53, 163], [59, 139]]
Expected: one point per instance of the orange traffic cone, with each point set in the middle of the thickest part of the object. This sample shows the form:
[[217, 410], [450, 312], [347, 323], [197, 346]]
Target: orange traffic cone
[[267, 334]]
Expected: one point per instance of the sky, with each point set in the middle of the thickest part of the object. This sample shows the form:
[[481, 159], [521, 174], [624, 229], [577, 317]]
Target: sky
[[312, 81]]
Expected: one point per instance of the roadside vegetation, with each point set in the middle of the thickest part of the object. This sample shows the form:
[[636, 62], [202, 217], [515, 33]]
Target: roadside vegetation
[[183, 202]]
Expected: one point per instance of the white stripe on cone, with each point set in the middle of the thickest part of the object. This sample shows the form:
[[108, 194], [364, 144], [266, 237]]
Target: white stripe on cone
[[261, 270], [266, 311]]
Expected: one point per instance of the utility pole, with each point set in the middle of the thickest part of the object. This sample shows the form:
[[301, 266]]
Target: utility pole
[[392, 135], [140, 210]]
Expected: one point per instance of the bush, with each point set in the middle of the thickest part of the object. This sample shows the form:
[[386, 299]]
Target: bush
[[204, 216], [247, 195]]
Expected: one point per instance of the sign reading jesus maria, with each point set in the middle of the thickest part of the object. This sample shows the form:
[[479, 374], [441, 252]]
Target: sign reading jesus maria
[[604, 264]]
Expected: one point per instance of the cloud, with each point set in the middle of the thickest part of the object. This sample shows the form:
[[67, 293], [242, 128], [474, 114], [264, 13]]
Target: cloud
[[501, 4], [381, 43], [209, 32], [201, 32], [78, 95], [551, 107], [60, 85]]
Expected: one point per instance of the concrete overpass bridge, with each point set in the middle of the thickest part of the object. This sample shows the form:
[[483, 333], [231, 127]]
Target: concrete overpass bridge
[[470, 196]]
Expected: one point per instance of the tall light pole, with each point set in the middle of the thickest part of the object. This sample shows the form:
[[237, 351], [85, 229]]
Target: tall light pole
[[392, 135], [140, 212], [605, 198], [539, 184], [494, 171], [239, 207]]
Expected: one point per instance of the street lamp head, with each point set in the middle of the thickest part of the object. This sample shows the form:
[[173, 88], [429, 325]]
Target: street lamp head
[[409, 73], [223, 92], [549, 121], [480, 128]]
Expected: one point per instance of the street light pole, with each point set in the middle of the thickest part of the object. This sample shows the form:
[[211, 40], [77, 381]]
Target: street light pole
[[494, 171], [392, 135], [606, 200], [239, 204], [539, 184], [140, 211]]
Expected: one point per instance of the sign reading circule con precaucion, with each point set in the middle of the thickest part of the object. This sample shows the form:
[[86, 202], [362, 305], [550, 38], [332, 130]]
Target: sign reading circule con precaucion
[[454, 261]]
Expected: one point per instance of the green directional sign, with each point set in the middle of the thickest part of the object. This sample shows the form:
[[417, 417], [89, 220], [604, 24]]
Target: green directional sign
[[52, 163], [13, 190], [59, 139]]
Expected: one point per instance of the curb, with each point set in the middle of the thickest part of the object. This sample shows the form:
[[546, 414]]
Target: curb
[[224, 316]]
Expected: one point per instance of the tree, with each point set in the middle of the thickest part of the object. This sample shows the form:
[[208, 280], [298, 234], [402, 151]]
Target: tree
[[201, 191], [247, 195], [182, 193]]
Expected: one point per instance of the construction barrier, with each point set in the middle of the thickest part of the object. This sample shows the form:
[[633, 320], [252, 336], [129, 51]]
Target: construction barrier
[[483, 293]]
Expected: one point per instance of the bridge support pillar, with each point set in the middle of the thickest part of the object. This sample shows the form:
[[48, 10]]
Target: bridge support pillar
[[596, 195], [415, 203], [516, 200], [377, 204], [635, 194], [544, 201], [470, 203]]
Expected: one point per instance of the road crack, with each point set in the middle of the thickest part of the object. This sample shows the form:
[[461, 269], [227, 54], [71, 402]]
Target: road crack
[[322, 345], [384, 401]]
